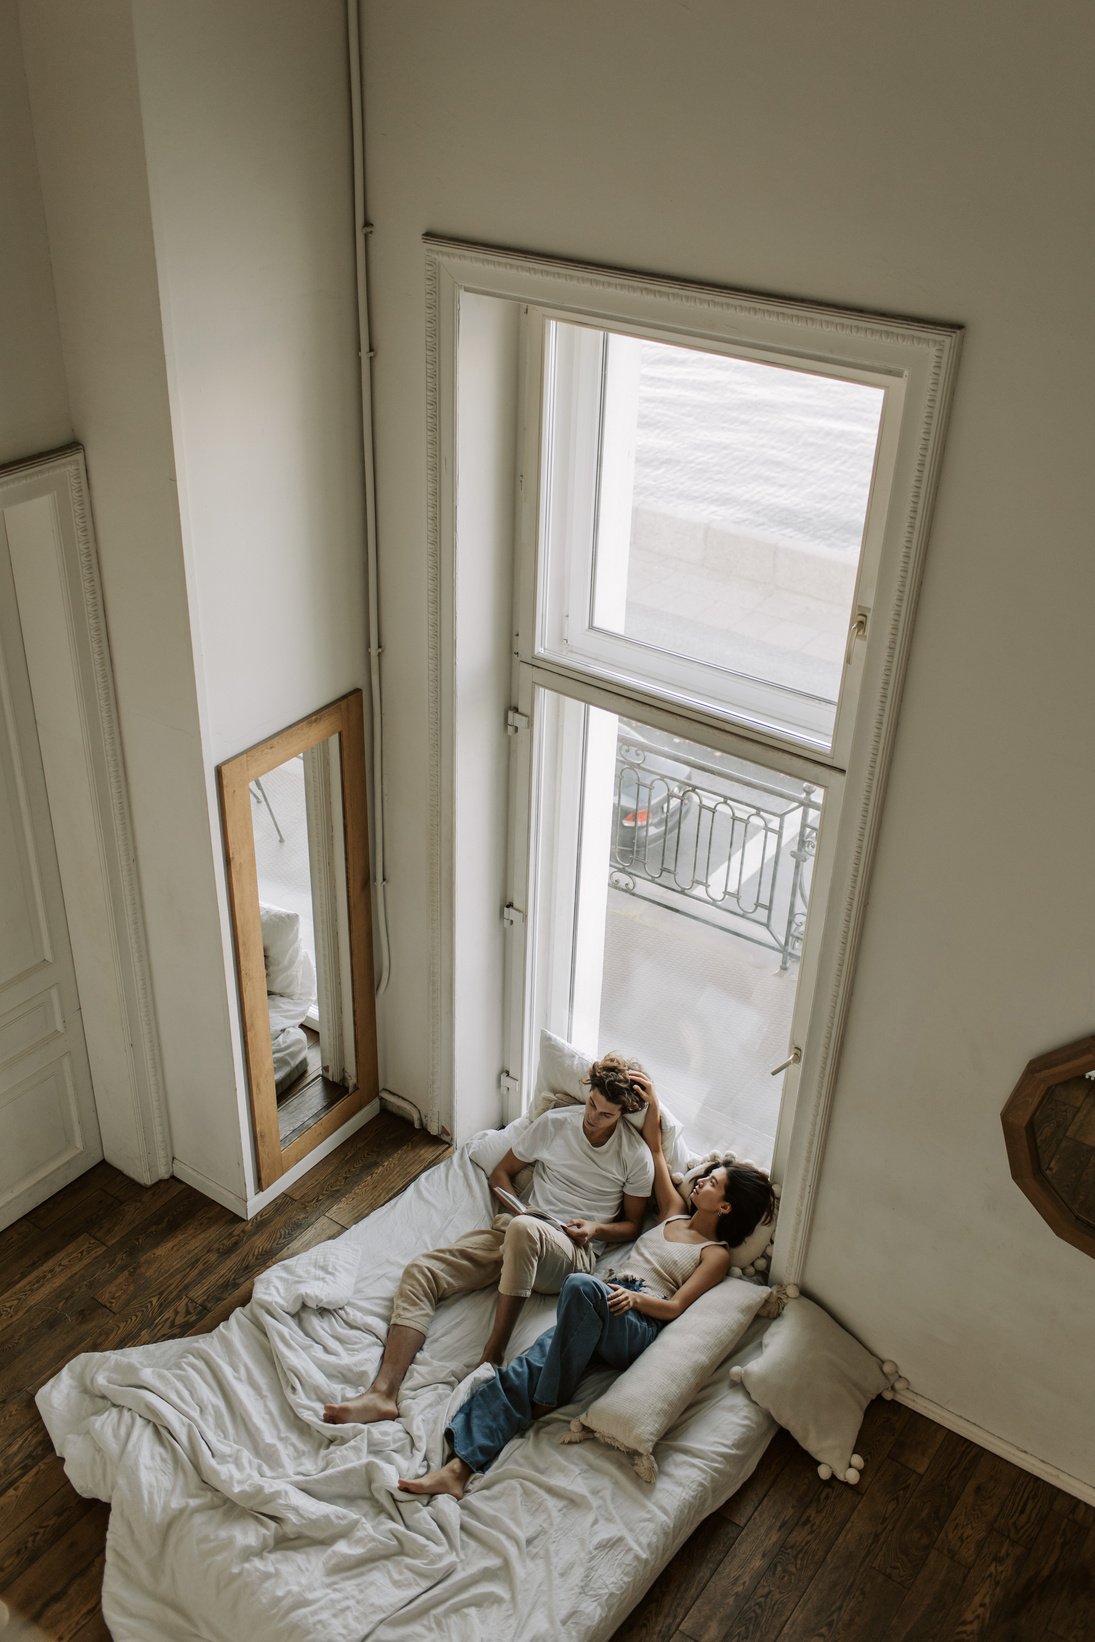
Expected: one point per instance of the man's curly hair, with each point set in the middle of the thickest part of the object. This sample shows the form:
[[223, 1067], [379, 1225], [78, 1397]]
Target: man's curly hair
[[611, 1076]]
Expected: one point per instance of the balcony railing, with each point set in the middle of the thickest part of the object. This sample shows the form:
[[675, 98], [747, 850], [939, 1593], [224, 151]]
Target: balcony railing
[[715, 843]]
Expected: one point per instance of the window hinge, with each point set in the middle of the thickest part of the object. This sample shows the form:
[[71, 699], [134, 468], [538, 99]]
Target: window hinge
[[509, 1086], [512, 916], [858, 630], [515, 721]]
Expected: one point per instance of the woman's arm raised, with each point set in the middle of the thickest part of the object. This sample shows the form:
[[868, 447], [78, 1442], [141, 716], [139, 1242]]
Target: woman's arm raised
[[666, 1195]]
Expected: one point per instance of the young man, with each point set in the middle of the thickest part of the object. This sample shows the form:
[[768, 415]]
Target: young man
[[590, 1171]]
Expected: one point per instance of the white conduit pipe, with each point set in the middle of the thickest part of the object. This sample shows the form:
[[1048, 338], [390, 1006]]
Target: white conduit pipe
[[362, 230]]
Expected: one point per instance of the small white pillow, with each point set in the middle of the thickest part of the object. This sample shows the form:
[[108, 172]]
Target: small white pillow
[[489, 1146], [560, 1071], [815, 1379], [559, 1082], [639, 1407]]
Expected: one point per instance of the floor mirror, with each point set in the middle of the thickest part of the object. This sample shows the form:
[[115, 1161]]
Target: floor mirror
[[295, 823]]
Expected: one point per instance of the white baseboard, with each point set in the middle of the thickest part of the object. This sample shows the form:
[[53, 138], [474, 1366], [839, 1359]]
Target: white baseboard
[[997, 1445], [209, 1188], [245, 1207]]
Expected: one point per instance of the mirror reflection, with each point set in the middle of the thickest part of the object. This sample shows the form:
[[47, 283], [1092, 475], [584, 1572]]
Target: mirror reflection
[[301, 872], [1063, 1127]]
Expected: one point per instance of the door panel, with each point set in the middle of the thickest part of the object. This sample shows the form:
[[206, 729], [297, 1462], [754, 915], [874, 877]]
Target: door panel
[[49, 1133]]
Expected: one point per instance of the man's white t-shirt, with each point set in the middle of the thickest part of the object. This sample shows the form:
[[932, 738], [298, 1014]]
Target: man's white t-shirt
[[574, 1180]]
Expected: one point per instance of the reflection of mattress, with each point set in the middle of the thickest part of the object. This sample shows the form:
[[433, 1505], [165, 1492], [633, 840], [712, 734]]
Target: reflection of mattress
[[288, 1043], [290, 990]]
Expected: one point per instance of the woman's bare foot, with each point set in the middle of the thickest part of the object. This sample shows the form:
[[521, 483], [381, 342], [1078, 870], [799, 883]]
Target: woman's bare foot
[[364, 1410], [451, 1479]]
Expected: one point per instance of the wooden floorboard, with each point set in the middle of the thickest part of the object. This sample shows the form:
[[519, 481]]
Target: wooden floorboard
[[941, 1542]]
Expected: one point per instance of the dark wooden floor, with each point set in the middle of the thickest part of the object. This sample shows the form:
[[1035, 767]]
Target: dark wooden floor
[[942, 1540]]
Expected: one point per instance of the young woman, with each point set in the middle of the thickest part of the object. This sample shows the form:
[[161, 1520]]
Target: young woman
[[670, 1266]]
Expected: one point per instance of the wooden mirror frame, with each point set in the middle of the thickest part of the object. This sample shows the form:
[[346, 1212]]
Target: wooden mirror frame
[[343, 718], [1035, 1087]]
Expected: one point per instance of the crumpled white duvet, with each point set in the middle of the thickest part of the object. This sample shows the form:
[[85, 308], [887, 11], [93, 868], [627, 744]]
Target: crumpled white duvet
[[236, 1514]]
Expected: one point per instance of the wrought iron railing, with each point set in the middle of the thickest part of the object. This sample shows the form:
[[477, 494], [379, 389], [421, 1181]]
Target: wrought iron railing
[[718, 844]]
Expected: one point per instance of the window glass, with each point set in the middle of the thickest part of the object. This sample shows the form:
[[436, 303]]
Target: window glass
[[717, 524], [673, 884]]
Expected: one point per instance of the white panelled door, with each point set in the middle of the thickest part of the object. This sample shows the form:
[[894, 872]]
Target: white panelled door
[[49, 1133]]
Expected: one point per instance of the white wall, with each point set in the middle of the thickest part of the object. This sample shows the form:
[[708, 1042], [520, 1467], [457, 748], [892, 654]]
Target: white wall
[[195, 170], [932, 164], [34, 413], [81, 72], [247, 131]]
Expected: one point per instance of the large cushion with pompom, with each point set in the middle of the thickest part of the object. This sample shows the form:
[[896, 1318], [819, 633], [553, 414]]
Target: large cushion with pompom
[[815, 1379]]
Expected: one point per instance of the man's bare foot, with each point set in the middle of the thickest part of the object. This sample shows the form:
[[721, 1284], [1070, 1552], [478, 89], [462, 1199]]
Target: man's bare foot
[[451, 1479], [364, 1410]]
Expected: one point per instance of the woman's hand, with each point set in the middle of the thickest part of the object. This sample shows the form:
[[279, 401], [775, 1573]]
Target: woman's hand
[[621, 1300]]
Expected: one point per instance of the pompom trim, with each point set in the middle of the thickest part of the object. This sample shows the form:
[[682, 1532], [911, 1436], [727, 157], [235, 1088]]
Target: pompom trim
[[645, 1465]]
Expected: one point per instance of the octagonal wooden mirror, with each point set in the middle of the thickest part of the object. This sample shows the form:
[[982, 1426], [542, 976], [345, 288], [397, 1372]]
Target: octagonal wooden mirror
[[1049, 1129]]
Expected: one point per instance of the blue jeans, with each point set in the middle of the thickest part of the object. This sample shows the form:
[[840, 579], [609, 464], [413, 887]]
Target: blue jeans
[[549, 1371]]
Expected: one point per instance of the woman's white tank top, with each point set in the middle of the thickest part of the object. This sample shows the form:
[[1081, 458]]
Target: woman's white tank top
[[661, 1266]]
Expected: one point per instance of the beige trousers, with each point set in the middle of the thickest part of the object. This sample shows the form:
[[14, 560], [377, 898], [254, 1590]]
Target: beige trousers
[[518, 1252]]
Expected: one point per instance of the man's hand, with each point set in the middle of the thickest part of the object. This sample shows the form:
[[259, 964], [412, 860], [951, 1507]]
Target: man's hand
[[581, 1232]]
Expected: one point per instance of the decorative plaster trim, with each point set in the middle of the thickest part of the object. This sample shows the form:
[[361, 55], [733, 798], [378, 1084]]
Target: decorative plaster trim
[[509, 273], [89, 658]]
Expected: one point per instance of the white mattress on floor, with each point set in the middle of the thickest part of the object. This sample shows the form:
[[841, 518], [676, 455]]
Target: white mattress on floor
[[236, 1514]]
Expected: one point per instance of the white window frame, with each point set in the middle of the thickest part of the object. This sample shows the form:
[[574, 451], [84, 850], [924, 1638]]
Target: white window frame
[[923, 359]]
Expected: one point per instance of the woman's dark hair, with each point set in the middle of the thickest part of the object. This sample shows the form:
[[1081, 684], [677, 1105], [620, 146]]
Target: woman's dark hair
[[611, 1077], [751, 1198]]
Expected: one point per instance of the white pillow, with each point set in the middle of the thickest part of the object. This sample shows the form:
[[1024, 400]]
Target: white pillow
[[490, 1146], [560, 1071], [815, 1379], [289, 968], [640, 1406], [559, 1082]]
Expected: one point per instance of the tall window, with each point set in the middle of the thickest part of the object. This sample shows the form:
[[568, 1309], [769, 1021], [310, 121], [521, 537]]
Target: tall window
[[722, 507]]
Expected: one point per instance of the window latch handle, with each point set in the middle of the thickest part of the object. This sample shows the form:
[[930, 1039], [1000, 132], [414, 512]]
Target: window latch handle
[[792, 1060], [858, 630]]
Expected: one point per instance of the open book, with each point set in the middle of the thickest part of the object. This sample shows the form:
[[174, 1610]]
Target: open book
[[515, 1205]]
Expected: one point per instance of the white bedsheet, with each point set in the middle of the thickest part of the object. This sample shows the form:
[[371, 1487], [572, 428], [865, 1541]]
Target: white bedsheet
[[238, 1515]]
